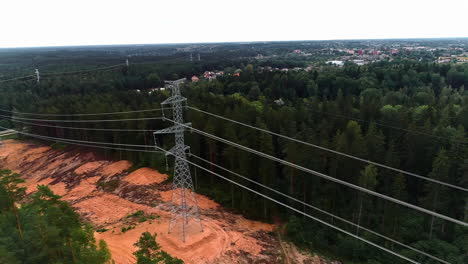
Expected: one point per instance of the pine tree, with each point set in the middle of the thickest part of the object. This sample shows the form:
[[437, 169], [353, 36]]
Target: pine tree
[[149, 251], [398, 191], [436, 198], [350, 141], [375, 142], [368, 180], [52, 232], [10, 193]]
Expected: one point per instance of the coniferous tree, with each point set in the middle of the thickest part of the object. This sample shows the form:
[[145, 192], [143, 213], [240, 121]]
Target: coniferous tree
[[436, 198], [10, 193], [149, 251]]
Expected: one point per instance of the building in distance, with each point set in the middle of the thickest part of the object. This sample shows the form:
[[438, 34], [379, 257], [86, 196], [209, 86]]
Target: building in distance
[[452, 59], [336, 63]]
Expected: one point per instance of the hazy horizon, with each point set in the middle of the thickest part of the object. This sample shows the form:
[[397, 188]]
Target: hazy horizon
[[233, 42], [144, 22]]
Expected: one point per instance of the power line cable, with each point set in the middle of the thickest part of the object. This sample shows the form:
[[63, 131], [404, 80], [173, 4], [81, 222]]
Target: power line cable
[[83, 128], [73, 142], [82, 71], [18, 78], [319, 210], [389, 126], [84, 121], [88, 114], [45, 75], [314, 173], [90, 145], [83, 141], [164, 151], [324, 176], [8, 134], [333, 151], [6, 131], [293, 209]]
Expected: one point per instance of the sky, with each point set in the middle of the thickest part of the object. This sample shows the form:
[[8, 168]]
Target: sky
[[32, 23]]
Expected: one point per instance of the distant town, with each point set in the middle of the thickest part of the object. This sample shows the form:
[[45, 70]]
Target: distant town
[[339, 53]]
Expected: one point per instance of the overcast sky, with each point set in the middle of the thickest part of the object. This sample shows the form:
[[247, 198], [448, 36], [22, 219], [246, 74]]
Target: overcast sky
[[26, 23]]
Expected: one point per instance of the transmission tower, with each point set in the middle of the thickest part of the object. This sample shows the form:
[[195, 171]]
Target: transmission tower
[[184, 203], [38, 77]]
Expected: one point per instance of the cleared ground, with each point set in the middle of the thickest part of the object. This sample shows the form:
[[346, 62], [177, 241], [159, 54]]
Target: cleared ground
[[105, 193]]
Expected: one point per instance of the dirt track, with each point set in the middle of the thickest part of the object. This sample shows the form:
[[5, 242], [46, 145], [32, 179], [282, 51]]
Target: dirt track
[[85, 181]]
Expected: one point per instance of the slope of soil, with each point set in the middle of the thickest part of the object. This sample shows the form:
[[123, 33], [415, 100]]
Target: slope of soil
[[105, 193], [145, 176]]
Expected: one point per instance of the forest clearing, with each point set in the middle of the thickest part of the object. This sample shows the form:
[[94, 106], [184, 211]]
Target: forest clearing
[[75, 175]]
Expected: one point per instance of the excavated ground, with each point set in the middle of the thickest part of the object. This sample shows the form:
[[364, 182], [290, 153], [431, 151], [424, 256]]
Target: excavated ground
[[104, 193]]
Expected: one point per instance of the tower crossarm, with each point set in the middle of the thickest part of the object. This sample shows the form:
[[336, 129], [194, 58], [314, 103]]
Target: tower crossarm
[[174, 151], [174, 99], [176, 82], [173, 129]]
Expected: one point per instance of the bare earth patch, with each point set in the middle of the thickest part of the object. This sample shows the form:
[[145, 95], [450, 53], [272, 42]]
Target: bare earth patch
[[88, 167], [145, 176], [116, 168], [78, 177]]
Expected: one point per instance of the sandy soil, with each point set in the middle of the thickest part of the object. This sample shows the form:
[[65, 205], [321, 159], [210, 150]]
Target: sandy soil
[[202, 201], [145, 176], [77, 176], [115, 168], [89, 167]]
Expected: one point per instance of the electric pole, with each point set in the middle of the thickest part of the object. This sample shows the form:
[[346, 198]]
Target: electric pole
[[38, 77], [184, 203]]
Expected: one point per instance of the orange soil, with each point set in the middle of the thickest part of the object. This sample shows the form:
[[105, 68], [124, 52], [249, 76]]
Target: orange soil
[[58, 188], [116, 168], [105, 208], [85, 188], [226, 237], [202, 201], [199, 247], [145, 176], [88, 167]]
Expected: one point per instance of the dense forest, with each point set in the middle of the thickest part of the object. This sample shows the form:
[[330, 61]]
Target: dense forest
[[405, 114], [43, 230]]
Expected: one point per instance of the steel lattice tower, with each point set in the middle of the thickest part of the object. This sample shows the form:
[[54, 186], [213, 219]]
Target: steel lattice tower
[[184, 203]]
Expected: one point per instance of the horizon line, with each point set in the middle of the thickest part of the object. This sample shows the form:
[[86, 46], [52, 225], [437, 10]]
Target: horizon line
[[229, 42]]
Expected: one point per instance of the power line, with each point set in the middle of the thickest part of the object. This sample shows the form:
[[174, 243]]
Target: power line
[[61, 140], [334, 151], [83, 128], [164, 151], [389, 126], [65, 73], [82, 141], [73, 142], [296, 210], [82, 71], [327, 177], [18, 78], [83, 121], [318, 209], [89, 114], [8, 134], [6, 131]]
